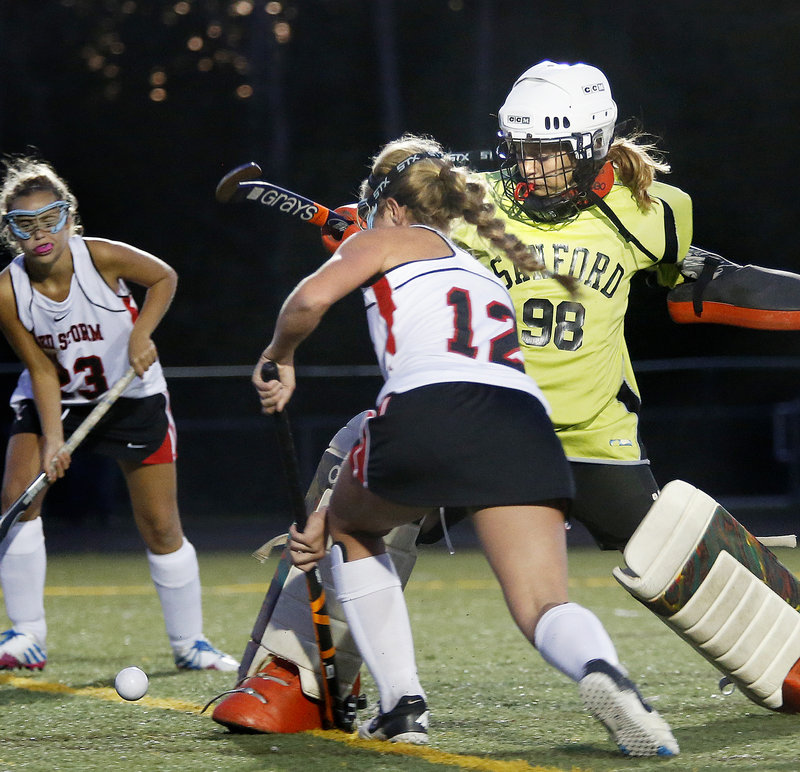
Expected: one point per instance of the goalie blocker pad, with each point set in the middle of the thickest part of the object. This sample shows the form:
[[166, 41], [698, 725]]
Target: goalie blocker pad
[[738, 295], [713, 583]]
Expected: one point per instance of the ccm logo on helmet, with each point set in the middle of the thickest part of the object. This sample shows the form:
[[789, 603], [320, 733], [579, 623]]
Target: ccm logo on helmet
[[595, 87], [521, 119]]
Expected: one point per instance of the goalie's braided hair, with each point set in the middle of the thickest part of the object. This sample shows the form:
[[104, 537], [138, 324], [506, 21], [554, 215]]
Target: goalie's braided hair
[[436, 192]]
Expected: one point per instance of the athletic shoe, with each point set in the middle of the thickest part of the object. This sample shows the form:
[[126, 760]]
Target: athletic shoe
[[271, 701], [615, 701], [20, 650], [406, 722], [201, 655]]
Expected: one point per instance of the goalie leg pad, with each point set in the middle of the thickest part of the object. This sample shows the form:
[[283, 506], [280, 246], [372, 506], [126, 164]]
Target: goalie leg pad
[[713, 583], [324, 477], [264, 681], [283, 637], [290, 632]]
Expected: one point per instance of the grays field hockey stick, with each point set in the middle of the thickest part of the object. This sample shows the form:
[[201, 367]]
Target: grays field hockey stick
[[336, 710], [17, 509], [242, 184]]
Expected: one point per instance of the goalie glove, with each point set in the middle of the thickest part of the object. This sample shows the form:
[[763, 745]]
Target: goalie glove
[[721, 292], [333, 236], [701, 265]]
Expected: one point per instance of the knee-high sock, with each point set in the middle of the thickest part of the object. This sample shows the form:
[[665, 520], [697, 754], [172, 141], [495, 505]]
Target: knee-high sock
[[23, 566], [176, 576], [568, 636], [372, 600]]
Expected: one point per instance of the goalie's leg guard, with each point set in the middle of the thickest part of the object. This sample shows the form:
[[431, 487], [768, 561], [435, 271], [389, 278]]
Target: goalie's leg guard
[[278, 688], [712, 582]]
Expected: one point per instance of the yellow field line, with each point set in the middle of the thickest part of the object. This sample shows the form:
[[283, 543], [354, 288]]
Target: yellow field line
[[434, 756], [97, 692], [433, 585], [431, 755]]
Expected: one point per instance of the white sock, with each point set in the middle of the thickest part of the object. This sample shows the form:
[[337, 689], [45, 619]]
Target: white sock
[[23, 566], [176, 576], [568, 636], [372, 600]]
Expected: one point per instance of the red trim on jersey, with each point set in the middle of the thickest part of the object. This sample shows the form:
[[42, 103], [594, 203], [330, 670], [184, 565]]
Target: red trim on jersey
[[130, 304], [386, 307], [167, 453], [358, 453]]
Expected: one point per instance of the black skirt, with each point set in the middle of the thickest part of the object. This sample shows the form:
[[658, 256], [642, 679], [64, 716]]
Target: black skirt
[[462, 445], [133, 429]]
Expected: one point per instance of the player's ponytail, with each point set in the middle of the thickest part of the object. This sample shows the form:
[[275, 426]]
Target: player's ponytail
[[416, 172]]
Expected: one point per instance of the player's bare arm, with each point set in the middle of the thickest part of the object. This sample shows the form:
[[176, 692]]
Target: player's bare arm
[[351, 266], [117, 261], [44, 379]]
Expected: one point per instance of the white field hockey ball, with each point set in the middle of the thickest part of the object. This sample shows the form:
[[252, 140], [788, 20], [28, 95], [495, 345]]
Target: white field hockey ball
[[131, 683]]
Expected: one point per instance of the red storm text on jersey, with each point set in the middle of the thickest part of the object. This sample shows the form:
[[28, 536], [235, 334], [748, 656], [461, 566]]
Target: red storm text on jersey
[[87, 333]]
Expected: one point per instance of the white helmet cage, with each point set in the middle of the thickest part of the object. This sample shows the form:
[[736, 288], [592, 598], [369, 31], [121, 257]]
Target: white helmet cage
[[569, 105]]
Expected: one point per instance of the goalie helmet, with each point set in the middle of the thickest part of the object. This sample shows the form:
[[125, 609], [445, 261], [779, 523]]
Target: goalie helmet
[[562, 111]]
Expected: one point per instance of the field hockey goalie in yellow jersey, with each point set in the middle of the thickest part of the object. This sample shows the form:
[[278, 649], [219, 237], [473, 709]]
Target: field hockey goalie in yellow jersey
[[588, 205]]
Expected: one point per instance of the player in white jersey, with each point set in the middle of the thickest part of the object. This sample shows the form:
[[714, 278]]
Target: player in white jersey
[[66, 310], [415, 349], [455, 404]]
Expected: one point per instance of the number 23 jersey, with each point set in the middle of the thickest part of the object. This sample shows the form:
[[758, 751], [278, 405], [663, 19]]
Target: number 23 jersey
[[441, 320], [87, 333]]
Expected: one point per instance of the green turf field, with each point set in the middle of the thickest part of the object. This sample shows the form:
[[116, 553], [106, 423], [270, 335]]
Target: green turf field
[[495, 705]]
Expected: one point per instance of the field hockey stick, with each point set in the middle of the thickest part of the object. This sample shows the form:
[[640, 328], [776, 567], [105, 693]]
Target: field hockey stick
[[336, 713], [17, 509], [242, 184]]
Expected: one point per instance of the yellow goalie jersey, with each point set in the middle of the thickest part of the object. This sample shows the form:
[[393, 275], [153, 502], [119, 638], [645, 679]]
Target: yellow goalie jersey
[[574, 346]]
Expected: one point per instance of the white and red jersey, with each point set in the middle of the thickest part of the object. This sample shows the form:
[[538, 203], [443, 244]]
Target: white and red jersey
[[444, 320], [88, 332]]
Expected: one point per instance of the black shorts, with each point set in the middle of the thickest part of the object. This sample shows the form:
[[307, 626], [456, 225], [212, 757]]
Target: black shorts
[[462, 445], [611, 500], [139, 430]]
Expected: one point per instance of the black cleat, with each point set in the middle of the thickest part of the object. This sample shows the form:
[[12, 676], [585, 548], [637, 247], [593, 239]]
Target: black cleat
[[406, 722]]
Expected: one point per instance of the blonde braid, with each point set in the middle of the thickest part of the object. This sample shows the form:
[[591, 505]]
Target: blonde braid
[[478, 211], [436, 192]]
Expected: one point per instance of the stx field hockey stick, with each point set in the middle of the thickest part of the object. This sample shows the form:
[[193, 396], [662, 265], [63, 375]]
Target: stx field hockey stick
[[336, 714], [17, 509]]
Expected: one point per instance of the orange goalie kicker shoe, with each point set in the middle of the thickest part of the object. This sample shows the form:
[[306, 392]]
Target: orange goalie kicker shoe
[[271, 701]]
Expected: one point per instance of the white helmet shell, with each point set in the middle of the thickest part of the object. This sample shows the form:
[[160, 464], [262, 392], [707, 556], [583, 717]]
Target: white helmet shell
[[561, 102]]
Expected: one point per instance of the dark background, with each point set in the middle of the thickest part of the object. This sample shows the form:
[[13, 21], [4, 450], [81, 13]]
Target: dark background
[[329, 81]]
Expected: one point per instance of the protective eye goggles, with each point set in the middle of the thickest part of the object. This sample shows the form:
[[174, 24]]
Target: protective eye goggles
[[367, 208], [23, 223]]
